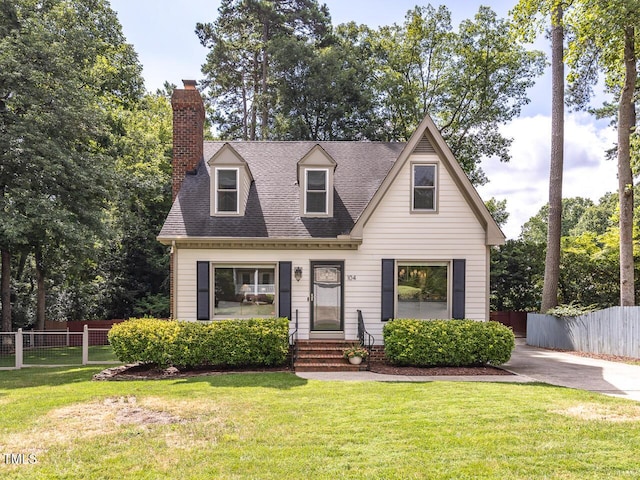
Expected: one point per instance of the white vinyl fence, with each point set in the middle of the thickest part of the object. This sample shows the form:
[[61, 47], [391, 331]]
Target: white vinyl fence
[[55, 348], [613, 331]]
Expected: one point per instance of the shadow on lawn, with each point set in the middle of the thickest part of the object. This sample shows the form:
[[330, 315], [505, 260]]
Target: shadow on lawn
[[277, 380], [49, 376]]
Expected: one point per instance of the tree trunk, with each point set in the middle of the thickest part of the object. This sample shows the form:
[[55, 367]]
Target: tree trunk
[[626, 122], [245, 114], [263, 99], [554, 224], [40, 293], [6, 290], [256, 95]]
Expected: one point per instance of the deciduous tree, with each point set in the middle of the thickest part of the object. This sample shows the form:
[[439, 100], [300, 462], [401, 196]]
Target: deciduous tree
[[61, 62], [469, 82], [604, 36]]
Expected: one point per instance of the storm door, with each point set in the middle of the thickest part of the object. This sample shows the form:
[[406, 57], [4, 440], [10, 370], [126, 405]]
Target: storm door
[[327, 296]]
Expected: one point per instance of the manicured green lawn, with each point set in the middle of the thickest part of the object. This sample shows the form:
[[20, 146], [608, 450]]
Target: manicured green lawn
[[276, 425], [60, 356]]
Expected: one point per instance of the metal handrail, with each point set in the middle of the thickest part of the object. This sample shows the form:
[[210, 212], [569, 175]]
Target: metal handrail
[[366, 339], [293, 337]]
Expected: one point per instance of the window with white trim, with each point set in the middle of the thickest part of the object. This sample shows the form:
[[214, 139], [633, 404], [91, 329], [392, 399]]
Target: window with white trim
[[244, 291], [316, 187], [226, 190], [424, 187], [422, 290]]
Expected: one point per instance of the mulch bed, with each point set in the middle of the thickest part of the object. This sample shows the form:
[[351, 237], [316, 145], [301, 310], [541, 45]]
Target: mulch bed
[[151, 372], [385, 368]]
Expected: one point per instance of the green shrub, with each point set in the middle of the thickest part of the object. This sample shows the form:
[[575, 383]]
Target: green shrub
[[253, 342], [430, 343]]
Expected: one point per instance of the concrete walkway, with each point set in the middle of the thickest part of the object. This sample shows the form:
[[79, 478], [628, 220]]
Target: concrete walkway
[[530, 364]]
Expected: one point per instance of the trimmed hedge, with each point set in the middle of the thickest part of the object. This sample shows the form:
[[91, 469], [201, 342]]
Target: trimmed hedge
[[453, 343], [229, 343]]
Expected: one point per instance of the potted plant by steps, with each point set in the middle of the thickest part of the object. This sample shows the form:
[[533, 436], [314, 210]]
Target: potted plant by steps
[[355, 354]]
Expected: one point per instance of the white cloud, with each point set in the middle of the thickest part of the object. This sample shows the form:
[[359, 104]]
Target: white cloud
[[524, 181]]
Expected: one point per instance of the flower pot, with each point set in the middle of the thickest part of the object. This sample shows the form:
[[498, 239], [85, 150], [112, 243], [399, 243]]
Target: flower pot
[[355, 360]]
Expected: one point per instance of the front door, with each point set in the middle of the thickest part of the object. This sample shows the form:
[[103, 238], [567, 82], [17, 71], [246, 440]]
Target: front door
[[326, 296]]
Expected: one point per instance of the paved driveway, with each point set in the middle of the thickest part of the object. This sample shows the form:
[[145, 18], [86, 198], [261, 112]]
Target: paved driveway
[[564, 369]]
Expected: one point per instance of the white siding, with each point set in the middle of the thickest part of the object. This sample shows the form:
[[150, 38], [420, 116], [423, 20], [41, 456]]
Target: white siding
[[394, 232], [391, 232], [245, 180], [186, 271]]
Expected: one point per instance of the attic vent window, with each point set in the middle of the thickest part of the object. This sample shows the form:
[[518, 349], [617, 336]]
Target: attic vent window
[[316, 191], [424, 188], [226, 190], [424, 147]]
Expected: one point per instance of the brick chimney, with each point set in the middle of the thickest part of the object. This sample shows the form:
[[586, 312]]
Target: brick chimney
[[188, 132]]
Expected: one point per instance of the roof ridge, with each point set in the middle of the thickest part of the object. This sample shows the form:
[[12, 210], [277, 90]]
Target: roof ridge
[[367, 142]]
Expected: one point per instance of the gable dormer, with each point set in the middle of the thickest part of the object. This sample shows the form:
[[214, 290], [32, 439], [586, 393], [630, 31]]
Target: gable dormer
[[315, 179], [230, 182]]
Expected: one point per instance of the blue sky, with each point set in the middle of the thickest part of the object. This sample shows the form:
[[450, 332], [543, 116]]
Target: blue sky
[[162, 32]]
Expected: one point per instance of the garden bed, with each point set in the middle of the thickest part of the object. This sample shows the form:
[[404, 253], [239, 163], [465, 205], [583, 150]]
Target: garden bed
[[152, 372]]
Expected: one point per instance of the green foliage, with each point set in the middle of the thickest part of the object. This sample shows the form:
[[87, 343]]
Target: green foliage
[[64, 66], [245, 41], [470, 81], [570, 310], [152, 306], [447, 342], [589, 267], [278, 70], [133, 266], [498, 210], [517, 272], [253, 342], [324, 93], [573, 209]]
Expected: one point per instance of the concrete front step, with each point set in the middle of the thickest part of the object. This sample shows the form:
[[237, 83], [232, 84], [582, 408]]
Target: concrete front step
[[328, 367]]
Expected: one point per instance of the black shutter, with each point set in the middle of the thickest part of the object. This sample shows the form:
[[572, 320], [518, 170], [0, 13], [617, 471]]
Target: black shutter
[[284, 289], [388, 287], [202, 286], [458, 288]]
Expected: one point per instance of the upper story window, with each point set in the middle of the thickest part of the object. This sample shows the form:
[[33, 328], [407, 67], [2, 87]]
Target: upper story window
[[226, 190], [316, 188], [424, 188]]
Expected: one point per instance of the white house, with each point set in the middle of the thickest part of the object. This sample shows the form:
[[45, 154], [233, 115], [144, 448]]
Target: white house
[[317, 231]]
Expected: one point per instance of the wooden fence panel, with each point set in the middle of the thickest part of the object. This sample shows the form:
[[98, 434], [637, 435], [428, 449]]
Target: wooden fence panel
[[613, 331], [516, 320]]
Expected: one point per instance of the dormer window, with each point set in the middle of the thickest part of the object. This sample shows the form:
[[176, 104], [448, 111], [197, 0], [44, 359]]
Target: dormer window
[[230, 182], [226, 182], [315, 178], [316, 198], [424, 183]]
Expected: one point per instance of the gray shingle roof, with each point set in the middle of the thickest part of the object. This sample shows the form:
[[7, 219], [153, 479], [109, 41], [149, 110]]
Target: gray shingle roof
[[273, 208]]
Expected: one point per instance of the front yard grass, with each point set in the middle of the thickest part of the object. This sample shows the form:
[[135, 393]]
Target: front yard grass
[[276, 425]]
